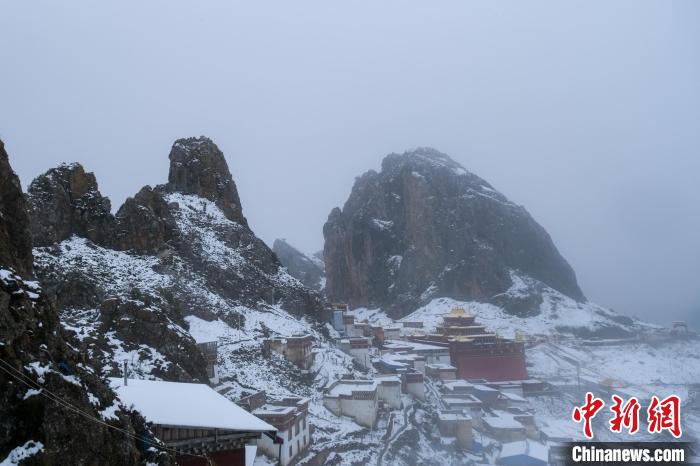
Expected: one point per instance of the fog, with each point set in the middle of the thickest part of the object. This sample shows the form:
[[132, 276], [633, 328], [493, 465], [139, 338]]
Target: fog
[[586, 113]]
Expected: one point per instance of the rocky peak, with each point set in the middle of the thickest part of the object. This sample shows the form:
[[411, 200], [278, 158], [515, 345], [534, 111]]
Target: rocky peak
[[145, 224], [43, 358], [422, 157], [66, 201], [425, 227], [197, 166], [308, 270], [15, 238]]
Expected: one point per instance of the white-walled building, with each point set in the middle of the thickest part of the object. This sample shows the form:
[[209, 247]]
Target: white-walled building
[[358, 348], [289, 416], [442, 372], [389, 390], [456, 424], [414, 384], [357, 399]]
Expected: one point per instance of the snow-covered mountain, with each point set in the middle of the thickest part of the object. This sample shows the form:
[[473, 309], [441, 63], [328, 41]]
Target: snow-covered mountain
[[48, 390], [178, 264], [127, 283], [424, 227], [310, 270]]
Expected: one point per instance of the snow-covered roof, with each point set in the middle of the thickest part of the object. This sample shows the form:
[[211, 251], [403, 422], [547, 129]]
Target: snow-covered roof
[[272, 410], [453, 416], [525, 448], [502, 421], [440, 367], [483, 388], [513, 397], [186, 404], [414, 345], [347, 387], [461, 383]]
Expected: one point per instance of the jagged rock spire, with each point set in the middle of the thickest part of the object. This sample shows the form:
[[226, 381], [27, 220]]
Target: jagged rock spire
[[197, 166], [66, 201]]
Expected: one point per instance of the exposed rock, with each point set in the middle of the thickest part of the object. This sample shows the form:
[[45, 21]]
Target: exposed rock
[[177, 250], [144, 223], [120, 309], [308, 270], [197, 166], [65, 201], [425, 227], [38, 361], [15, 236]]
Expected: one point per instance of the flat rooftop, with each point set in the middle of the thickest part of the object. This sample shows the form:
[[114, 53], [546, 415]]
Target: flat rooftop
[[347, 387], [414, 345], [273, 410]]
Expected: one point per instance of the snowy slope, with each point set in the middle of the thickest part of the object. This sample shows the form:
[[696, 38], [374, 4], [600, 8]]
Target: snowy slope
[[557, 314]]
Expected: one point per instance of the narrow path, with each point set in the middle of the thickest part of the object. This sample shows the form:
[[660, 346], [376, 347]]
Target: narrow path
[[407, 410]]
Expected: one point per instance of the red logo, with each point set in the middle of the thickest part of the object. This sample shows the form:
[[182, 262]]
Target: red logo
[[661, 414], [665, 415], [626, 416], [587, 412]]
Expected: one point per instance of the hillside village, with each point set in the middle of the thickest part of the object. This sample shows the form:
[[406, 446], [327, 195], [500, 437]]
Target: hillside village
[[171, 334], [402, 368]]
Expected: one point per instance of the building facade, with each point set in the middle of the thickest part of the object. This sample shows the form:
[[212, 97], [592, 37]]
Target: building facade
[[289, 417]]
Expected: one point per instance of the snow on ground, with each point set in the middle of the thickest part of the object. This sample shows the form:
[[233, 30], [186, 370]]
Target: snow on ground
[[244, 368], [20, 454], [114, 271], [372, 316], [637, 364], [204, 223], [143, 359], [557, 311]]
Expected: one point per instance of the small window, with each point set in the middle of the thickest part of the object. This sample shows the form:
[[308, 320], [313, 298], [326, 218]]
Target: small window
[[290, 451], [289, 434]]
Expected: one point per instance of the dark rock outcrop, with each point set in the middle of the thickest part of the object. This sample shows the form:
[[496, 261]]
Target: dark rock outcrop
[[65, 201], [172, 251], [307, 270], [197, 166], [15, 235], [144, 223], [39, 365], [425, 227]]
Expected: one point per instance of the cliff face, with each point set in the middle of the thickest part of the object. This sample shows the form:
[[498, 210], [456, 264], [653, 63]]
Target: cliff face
[[66, 201], [171, 252], [15, 237], [308, 270], [198, 167], [425, 227], [38, 359]]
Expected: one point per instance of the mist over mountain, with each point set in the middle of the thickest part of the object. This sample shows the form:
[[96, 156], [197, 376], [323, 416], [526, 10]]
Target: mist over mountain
[[425, 227], [310, 270]]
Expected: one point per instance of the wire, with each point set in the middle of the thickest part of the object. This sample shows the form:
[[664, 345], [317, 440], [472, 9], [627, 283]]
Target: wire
[[55, 398]]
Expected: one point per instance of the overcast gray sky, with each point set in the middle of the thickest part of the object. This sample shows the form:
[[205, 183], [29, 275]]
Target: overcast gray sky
[[587, 113]]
